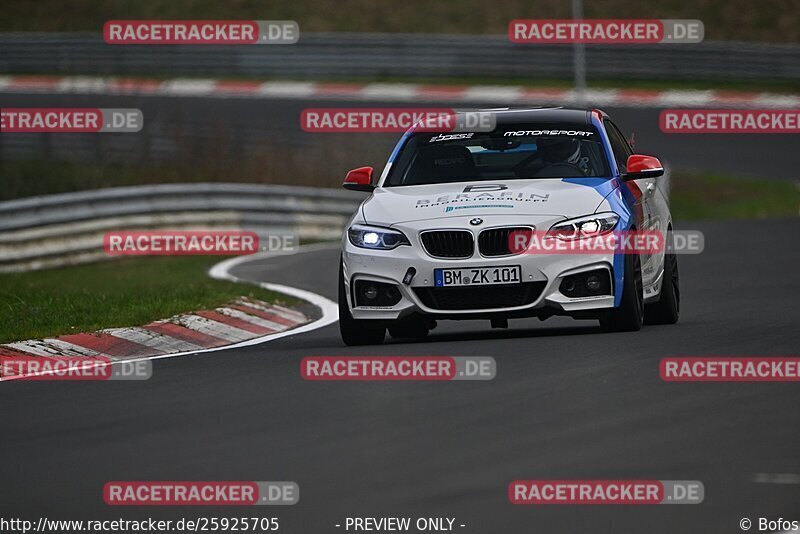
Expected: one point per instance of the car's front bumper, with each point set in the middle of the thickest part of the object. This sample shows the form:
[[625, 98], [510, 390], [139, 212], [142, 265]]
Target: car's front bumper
[[542, 274]]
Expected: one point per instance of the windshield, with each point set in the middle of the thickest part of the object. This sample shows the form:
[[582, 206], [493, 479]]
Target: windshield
[[512, 151]]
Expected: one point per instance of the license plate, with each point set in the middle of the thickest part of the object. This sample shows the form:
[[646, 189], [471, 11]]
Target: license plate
[[478, 276]]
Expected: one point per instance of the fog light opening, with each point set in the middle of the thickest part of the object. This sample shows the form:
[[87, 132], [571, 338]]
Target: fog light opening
[[589, 284], [371, 292], [391, 293], [593, 282]]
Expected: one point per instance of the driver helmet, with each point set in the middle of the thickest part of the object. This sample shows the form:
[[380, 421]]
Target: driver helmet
[[560, 150]]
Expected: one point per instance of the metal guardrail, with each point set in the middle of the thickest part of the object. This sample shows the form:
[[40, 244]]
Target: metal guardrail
[[337, 55], [65, 229]]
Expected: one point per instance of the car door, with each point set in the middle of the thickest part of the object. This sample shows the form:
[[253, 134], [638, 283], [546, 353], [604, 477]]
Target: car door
[[643, 191]]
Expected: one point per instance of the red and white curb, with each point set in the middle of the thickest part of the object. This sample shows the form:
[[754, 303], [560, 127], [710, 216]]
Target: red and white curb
[[243, 322], [396, 92]]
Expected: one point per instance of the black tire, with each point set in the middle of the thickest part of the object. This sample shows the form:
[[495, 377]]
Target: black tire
[[629, 316], [668, 308], [356, 332]]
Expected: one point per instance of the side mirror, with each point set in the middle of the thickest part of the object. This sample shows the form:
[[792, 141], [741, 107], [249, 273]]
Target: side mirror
[[641, 166], [359, 179]]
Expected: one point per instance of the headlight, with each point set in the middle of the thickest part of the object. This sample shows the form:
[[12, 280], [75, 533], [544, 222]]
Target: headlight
[[583, 227], [376, 238]]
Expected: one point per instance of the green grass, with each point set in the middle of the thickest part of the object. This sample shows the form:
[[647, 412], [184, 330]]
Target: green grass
[[710, 196], [23, 178], [127, 292], [765, 20]]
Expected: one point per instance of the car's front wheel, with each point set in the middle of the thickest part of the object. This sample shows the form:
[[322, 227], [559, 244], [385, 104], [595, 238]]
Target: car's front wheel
[[668, 308], [628, 317], [354, 331]]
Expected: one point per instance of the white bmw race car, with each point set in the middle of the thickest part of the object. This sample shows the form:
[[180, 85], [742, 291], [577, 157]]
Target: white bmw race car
[[436, 238]]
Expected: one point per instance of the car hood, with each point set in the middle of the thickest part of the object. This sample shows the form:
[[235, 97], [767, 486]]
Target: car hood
[[552, 196]]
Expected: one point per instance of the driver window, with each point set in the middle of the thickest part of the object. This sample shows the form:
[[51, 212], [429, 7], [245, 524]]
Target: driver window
[[618, 145]]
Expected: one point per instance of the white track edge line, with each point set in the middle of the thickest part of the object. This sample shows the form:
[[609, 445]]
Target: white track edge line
[[221, 271]]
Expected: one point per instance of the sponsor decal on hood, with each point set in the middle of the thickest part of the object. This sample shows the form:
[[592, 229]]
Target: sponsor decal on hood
[[523, 197], [482, 193], [477, 206]]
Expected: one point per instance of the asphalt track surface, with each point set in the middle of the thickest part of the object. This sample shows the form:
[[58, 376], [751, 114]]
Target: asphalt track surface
[[244, 120], [568, 402]]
